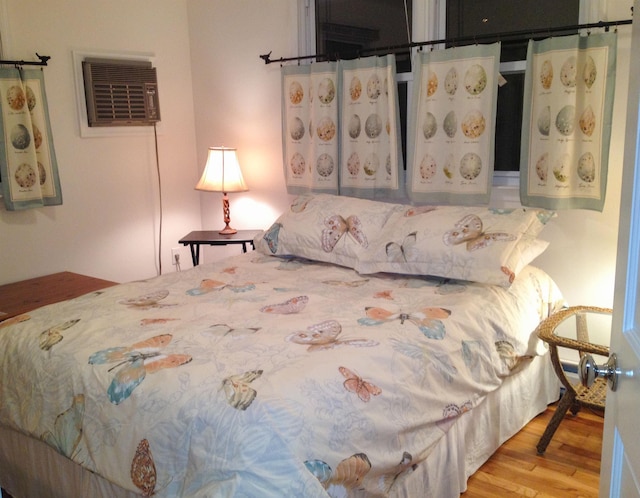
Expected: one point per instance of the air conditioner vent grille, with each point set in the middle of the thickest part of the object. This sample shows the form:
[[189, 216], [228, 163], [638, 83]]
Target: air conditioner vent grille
[[121, 93]]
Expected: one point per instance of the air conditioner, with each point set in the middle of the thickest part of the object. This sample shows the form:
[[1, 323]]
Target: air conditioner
[[120, 92]]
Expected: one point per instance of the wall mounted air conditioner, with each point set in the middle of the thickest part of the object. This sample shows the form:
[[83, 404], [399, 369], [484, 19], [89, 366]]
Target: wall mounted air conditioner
[[120, 92]]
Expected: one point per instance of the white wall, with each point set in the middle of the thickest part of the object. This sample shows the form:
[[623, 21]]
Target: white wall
[[108, 224]]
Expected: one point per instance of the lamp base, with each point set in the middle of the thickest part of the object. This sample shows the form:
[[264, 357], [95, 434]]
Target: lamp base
[[228, 230]]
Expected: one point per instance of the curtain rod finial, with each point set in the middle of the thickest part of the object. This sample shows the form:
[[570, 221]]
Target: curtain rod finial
[[266, 57]]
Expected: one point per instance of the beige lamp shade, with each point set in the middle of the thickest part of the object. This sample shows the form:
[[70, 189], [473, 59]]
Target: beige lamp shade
[[222, 174]]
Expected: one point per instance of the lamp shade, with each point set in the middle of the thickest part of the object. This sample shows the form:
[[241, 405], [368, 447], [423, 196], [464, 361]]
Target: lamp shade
[[222, 172]]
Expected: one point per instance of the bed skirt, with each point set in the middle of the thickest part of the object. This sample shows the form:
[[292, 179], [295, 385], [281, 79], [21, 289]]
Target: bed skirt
[[30, 468]]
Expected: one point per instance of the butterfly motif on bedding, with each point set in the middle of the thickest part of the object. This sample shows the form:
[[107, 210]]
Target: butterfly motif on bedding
[[293, 305], [356, 384], [401, 253], [14, 320], [470, 230], [271, 237], [237, 390], [53, 335], [337, 226], [324, 335], [450, 414], [135, 362], [222, 329], [441, 362], [348, 474], [405, 467], [143, 469], [428, 320], [147, 301], [417, 210], [209, 285], [67, 429]]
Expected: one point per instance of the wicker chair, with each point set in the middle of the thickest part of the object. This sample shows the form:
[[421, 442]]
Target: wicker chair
[[576, 395]]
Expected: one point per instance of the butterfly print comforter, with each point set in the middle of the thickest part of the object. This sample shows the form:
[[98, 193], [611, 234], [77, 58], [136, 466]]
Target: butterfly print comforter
[[261, 376]]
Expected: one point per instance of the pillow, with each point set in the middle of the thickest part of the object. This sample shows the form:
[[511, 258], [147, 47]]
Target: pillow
[[466, 243], [326, 227]]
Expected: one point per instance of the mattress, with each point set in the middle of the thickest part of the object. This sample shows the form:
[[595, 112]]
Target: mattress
[[266, 376]]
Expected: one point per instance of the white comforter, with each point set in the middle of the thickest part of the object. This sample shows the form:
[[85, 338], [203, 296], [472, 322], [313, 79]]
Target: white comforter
[[263, 377]]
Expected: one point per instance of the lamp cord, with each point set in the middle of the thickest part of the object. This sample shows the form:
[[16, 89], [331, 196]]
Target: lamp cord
[[155, 136]]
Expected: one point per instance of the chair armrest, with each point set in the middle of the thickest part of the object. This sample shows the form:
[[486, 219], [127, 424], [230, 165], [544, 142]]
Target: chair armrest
[[546, 330]]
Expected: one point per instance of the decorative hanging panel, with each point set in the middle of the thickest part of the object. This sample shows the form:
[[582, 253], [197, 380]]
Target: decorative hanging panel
[[310, 128], [28, 165], [371, 164], [450, 142], [566, 129]]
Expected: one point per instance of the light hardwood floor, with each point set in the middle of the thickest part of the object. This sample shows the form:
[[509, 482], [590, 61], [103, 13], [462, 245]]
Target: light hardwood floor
[[569, 468]]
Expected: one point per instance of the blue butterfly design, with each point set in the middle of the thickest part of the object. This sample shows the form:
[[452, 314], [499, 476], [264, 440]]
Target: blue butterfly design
[[271, 237]]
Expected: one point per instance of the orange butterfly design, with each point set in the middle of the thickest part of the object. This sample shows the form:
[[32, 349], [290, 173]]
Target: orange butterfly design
[[356, 384], [428, 319], [469, 229], [135, 362]]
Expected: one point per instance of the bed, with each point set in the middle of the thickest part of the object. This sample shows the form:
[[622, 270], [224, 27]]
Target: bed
[[364, 349]]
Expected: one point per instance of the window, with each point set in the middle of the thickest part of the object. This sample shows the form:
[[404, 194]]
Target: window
[[345, 28]]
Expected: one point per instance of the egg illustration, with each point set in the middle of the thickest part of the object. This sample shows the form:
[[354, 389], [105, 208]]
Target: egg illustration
[[326, 129], [587, 167], [371, 164], [428, 167], [297, 164], [475, 79], [373, 125], [25, 176], [37, 136], [311, 128], [546, 74], [568, 72], [451, 81], [324, 165], [544, 121], [565, 120], [15, 98], [450, 124], [473, 124], [20, 137], [354, 126], [589, 72], [588, 121], [561, 168], [387, 165], [326, 91], [542, 167], [296, 128], [432, 83], [296, 93], [470, 166], [355, 88], [373, 87], [42, 173], [353, 164], [430, 126], [449, 167], [31, 98]]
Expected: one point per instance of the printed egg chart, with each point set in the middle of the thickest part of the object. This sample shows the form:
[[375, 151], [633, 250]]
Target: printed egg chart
[[451, 142], [370, 150], [310, 127], [567, 121]]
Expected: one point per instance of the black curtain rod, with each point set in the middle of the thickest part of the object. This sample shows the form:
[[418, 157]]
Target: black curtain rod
[[42, 62], [454, 41]]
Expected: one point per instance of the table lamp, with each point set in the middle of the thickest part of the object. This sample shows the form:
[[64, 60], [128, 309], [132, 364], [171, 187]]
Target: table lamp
[[222, 174]]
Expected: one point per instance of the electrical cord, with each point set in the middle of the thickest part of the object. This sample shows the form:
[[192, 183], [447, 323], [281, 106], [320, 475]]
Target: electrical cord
[[155, 135]]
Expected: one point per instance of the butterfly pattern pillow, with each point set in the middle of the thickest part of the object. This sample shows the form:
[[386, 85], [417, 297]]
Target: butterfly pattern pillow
[[324, 227], [475, 244]]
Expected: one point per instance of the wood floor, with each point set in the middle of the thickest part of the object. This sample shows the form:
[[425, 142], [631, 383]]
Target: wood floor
[[569, 468]]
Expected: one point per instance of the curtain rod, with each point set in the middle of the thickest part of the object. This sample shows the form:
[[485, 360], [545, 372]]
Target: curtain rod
[[42, 62], [453, 41]]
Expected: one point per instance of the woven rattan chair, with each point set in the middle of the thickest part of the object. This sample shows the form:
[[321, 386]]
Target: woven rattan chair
[[576, 395]]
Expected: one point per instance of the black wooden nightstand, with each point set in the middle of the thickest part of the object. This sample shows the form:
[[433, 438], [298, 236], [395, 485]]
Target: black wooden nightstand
[[212, 238]]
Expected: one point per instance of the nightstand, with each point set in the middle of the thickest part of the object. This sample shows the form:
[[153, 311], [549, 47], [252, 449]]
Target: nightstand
[[212, 238]]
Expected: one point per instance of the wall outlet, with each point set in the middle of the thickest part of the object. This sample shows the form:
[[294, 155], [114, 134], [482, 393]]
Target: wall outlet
[[175, 256]]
